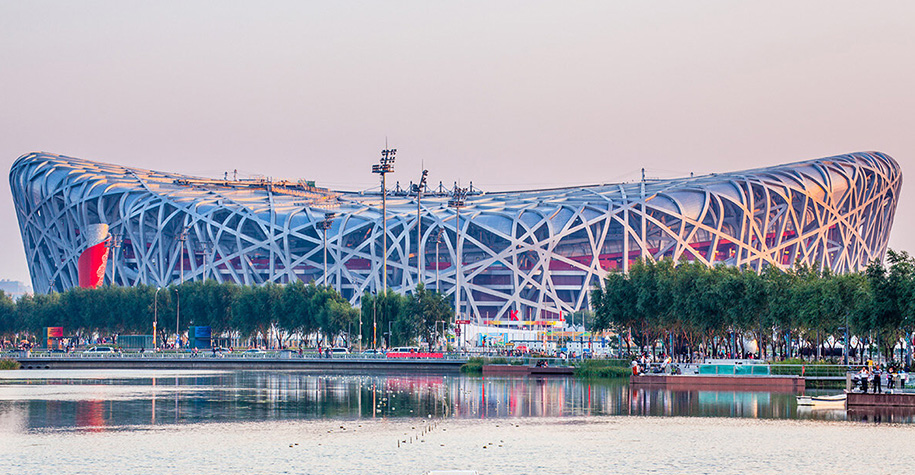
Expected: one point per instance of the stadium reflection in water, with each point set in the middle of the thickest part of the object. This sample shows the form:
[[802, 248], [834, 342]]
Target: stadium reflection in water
[[57, 399]]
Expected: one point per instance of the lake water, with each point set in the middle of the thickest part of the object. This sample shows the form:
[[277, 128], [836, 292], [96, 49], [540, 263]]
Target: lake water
[[295, 422]]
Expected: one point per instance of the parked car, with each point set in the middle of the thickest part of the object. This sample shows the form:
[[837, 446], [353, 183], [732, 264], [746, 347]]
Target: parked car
[[339, 351], [101, 350], [253, 352]]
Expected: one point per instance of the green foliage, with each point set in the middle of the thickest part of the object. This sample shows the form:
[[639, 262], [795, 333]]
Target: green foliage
[[474, 365], [695, 305], [401, 320], [268, 311], [600, 368], [6, 363]]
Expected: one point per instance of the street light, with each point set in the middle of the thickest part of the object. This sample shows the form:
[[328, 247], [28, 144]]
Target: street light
[[383, 167], [182, 238], [177, 319], [325, 225], [114, 242], [418, 189], [438, 240], [457, 202], [155, 315]]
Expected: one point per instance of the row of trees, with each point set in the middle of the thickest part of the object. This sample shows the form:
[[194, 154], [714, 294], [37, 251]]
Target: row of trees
[[275, 314], [692, 307]]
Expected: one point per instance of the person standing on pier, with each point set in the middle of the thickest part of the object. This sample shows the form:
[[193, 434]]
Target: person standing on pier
[[877, 375]]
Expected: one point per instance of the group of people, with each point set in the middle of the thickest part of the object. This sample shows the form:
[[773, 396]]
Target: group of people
[[646, 362], [874, 376]]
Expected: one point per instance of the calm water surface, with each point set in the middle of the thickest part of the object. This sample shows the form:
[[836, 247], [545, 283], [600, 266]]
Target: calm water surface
[[297, 422], [98, 400]]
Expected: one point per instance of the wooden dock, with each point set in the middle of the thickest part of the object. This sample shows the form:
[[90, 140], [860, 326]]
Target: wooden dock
[[860, 400]]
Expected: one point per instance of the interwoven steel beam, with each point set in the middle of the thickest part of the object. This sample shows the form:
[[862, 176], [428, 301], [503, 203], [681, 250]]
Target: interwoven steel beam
[[537, 252]]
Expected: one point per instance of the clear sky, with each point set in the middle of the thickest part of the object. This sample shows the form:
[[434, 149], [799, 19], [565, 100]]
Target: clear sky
[[510, 95]]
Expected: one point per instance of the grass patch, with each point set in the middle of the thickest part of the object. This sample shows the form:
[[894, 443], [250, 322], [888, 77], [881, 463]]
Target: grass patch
[[611, 368], [7, 363], [473, 366]]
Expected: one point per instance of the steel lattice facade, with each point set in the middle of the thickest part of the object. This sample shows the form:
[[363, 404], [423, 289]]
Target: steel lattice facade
[[536, 252]]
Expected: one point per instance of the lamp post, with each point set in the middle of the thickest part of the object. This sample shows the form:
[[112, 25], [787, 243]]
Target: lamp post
[[383, 167], [443, 335], [845, 346], [182, 238], [114, 242], [155, 315], [177, 319], [325, 225], [457, 202], [418, 189], [438, 240]]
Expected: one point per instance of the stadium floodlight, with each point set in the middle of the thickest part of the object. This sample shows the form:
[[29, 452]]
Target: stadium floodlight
[[383, 167], [457, 202], [418, 189]]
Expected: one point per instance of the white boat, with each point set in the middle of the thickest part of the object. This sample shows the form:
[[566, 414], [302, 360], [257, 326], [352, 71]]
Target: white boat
[[833, 400]]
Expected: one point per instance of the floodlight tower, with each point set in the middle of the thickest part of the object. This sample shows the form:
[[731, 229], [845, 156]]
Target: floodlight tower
[[383, 167], [418, 189], [325, 225], [457, 202]]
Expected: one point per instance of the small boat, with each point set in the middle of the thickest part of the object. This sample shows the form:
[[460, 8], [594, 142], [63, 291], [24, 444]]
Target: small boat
[[833, 400]]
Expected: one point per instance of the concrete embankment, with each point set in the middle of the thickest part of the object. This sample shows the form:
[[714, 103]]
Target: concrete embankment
[[246, 363]]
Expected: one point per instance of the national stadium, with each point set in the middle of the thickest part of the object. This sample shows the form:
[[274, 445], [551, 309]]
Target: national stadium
[[521, 255]]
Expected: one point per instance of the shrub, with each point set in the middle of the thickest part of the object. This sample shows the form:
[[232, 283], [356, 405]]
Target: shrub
[[7, 363]]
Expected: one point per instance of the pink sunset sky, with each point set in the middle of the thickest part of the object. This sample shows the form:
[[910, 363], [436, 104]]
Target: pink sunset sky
[[509, 95]]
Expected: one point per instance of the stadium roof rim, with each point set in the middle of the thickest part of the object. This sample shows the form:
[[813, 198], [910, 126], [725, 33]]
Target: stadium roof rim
[[696, 178]]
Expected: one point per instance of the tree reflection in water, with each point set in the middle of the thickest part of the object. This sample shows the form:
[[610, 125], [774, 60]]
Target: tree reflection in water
[[99, 403]]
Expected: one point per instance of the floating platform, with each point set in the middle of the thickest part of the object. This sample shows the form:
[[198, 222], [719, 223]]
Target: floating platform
[[788, 384], [870, 400], [524, 370]]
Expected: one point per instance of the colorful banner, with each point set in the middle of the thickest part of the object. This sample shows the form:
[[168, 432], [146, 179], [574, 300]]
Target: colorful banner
[[91, 263], [529, 323]]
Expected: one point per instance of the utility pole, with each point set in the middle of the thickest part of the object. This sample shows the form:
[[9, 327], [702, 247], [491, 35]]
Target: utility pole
[[418, 189], [383, 167], [457, 202]]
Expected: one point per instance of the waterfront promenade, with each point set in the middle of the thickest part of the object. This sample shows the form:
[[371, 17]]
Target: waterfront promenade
[[239, 361]]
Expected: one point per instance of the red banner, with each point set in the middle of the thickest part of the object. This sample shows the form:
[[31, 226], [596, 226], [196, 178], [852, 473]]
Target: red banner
[[416, 355], [91, 265]]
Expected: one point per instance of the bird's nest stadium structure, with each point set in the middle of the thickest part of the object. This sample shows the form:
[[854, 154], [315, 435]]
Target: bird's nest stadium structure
[[534, 252]]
